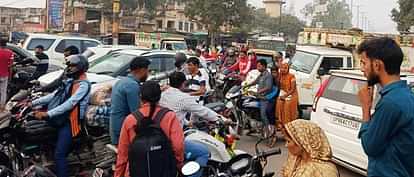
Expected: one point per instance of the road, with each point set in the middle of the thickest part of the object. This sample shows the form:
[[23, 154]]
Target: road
[[275, 163]]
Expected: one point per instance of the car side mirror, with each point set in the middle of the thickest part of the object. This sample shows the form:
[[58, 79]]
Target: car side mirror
[[321, 71]]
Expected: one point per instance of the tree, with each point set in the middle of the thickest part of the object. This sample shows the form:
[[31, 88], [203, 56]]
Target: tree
[[217, 13], [404, 15], [338, 15]]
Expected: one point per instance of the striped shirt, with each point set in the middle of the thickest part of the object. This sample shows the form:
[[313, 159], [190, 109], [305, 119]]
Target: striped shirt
[[196, 82], [182, 104]]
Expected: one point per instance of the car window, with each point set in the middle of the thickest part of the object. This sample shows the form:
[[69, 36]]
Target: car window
[[169, 63], [179, 46], [349, 62], [304, 62], [111, 63], [156, 64], [67, 43], [329, 63], [343, 90], [87, 44], [268, 58], [46, 43]]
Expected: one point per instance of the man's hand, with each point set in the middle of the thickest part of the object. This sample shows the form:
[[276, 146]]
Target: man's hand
[[40, 115], [365, 95]]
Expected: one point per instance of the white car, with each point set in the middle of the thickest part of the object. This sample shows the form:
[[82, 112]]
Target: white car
[[93, 53], [310, 63], [337, 111], [55, 45]]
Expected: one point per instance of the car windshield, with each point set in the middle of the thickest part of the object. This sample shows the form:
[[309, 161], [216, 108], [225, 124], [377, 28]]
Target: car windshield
[[304, 62], [110, 63], [179, 46]]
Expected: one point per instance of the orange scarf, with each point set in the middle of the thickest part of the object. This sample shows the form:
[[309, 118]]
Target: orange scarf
[[74, 114]]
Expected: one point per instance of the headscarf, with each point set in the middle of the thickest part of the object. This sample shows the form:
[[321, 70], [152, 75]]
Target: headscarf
[[311, 138]]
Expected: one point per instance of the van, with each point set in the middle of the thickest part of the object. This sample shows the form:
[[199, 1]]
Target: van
[[338, 112], [310, 64], [55, 45]]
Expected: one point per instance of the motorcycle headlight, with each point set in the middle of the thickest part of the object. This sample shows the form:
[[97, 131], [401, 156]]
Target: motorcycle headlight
[[241, 165]]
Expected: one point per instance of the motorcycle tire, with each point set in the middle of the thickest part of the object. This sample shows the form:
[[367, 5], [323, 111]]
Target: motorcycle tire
[[5, 162]]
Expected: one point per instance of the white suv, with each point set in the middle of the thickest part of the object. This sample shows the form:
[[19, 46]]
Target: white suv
[[55, 45], [337, 111]]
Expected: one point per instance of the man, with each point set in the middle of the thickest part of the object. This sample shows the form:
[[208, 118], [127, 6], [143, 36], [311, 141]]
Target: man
[[125, 96], [278, 60], [387, 135], [264, 86], [150, 95], [68, 114], [71, 50], [43, 65], [6, 62], [197, 82], [230, 59], [183, 104], [180, 59]]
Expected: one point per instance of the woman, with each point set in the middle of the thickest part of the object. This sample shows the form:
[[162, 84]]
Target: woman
[[309, 151], [287, 102]]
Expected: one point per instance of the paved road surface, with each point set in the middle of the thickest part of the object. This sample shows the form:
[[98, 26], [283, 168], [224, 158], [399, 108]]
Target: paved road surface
[[275, 163]]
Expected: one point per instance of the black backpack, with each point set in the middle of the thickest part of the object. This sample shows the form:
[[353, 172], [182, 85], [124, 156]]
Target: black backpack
[[150, 153]]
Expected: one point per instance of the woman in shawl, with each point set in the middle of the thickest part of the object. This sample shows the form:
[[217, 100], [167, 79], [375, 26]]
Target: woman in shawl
[[287, 102], [309, 151]]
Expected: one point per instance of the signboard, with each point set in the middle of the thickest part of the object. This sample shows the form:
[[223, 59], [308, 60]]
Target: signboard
[[55, 13]]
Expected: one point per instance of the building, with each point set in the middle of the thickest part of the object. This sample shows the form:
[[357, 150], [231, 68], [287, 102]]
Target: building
[[273, 8], [22, 19]]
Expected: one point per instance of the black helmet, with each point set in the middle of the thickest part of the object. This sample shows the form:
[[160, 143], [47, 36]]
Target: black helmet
[[79, 62]]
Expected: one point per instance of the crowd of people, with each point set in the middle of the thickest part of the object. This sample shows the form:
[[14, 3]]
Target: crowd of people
[[146, 117]]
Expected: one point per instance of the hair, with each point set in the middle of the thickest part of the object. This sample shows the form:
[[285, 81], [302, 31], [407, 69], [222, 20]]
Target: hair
[[73, 50], [3, 42], [151, 93], [177, 79], [139, 63], [40, 47], [384, 49], [263, 62], [194, 61], [180, 59]]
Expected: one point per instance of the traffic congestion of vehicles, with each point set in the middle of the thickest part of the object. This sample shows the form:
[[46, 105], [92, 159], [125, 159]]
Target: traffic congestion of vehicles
[[327, 81]]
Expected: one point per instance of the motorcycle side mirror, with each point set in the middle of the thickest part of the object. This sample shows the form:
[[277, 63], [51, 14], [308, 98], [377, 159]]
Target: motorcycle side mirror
[[190, 168]]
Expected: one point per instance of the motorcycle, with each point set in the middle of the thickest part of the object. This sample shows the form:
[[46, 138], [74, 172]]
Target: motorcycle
[[225, 81], [241, 165]]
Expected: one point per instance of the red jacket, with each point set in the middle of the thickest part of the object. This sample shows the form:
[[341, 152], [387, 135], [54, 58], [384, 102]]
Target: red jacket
[[6, 61], [169, 124], [244, 65]]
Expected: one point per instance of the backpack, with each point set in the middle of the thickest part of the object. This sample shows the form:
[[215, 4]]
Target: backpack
[[150, 153], [60, 96]]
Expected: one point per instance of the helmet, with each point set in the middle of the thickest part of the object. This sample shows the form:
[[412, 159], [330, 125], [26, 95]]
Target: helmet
[[76, 65]]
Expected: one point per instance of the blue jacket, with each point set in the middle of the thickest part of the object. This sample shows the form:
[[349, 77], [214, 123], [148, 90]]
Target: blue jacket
[[388, 138], [124, 100], [84, 87]]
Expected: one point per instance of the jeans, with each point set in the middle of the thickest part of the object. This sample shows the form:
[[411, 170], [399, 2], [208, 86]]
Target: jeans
[[197, 152], [263, 112], [63, 147], [271, 112], [3, 90]]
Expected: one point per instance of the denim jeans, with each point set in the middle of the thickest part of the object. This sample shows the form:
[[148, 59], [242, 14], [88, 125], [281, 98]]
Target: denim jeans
[[263, 112], [3, 90], [197, 152], [63, 147]]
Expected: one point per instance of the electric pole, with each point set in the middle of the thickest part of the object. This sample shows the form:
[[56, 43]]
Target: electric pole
[[115, 23]]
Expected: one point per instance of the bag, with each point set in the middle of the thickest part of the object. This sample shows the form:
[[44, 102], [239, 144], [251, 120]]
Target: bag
[[274, 93], [61, 95], [150, 153]]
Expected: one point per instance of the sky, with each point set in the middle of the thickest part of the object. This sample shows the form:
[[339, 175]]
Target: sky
[[377, 11]]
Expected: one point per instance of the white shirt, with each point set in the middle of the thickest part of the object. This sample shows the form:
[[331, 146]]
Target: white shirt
[[182, 103]]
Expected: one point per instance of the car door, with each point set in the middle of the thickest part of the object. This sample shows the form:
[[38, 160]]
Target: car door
[[339, 114]]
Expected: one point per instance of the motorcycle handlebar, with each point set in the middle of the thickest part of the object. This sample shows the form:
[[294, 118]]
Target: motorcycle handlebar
[[270, 153]]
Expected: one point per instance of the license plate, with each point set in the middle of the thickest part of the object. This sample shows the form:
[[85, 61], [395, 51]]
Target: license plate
[[229, 104], [354, 125]]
